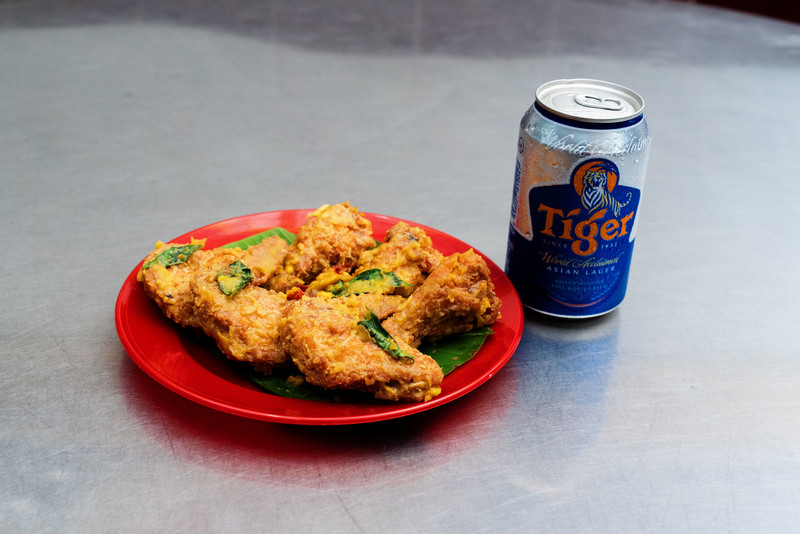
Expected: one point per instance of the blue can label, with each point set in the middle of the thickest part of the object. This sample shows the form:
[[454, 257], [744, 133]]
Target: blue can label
[[572, 255]]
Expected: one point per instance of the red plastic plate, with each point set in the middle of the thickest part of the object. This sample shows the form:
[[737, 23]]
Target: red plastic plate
[[185, 362]]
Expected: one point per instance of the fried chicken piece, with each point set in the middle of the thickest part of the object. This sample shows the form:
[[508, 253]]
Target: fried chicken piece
[[407, 252], [381, 305], [332, 236], [265, 258], [247, 325], [169, 286], [456, 297], [334, 351]]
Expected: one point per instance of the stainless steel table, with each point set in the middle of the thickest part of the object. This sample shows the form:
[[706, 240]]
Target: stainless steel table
[[122, 123]]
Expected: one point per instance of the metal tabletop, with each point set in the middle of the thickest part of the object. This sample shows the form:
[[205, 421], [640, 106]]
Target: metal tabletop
[[124, 123]]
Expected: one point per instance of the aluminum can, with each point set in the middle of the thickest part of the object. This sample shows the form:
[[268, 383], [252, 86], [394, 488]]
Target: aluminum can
[[581, 162]]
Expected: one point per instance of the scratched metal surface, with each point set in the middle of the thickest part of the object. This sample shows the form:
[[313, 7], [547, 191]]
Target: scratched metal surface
[[122, 123]]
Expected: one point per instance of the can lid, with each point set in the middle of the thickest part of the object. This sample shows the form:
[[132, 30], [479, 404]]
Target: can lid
[[590, 101]]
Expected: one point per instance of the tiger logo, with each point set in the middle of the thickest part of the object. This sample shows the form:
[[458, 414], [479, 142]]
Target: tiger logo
[[594, 181]]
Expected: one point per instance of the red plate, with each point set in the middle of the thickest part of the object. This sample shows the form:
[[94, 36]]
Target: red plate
[[183, 362]]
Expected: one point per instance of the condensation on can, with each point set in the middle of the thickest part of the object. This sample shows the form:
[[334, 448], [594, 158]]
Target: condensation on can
[[581, 162]]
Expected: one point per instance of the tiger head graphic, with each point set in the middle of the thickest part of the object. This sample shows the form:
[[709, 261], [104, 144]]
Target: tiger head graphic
[[595, 180]]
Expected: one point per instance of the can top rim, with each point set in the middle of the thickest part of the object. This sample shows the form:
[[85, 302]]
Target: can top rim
[[590, 101]]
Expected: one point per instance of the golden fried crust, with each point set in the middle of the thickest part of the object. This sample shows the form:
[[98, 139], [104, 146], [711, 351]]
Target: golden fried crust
[[333, 351], [332, 236], [170, 287], [283, 281], [245, 326], [265, 258], [408, 252], [456, 297], [381, 305]]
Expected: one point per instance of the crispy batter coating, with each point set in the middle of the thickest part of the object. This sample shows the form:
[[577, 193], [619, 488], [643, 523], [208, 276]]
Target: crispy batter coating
[[333, 351], [332, 236], [265, 258], [170, 287], [245, 326], [407, 252], [381, 305], [457, 297]]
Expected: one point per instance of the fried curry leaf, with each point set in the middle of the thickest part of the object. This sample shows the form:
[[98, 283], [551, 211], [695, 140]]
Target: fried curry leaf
[[451, 351], [382, 337], [232, 280], [337, 288], [173, 256], [369, 281], [255, 239]]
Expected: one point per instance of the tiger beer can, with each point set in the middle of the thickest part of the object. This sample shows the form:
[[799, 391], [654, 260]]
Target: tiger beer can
[[581, 162]]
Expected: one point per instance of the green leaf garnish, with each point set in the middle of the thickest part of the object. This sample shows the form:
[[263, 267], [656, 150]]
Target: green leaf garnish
[[173, 256], [383, 338], [451, 351], [284, 386], [234, 278], [255, 239], [369, 281], [290, 387], [337, 288]]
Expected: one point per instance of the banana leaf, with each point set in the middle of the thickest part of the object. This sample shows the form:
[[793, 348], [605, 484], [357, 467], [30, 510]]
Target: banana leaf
[[255, 239]]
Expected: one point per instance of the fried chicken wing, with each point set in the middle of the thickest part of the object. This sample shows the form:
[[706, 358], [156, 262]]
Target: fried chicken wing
[[167, 272], [456, 297], [169, 284], [333, 350], [381, 305], [332, 236], [265, 258], [407, 252], [245, 326]]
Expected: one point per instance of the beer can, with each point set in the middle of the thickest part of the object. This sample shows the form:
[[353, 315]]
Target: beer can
[[581, 162]]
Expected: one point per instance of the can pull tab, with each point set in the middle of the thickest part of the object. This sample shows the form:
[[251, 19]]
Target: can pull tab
[[589, 101]]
